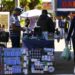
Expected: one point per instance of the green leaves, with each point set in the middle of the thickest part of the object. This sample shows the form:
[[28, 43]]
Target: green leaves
[[8, 5]]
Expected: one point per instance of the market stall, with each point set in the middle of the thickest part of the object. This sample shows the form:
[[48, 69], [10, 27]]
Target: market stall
[[40, 55]]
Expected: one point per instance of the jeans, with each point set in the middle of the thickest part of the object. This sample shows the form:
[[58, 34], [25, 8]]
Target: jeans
[[45, 35]]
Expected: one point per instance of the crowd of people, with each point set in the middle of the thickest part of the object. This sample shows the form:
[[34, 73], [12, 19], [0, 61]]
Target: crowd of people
[[61, 26]]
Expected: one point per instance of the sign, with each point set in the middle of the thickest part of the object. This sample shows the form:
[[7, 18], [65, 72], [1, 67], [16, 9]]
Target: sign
[[47, 5], [65, 3], [4, 19], [46, 0]]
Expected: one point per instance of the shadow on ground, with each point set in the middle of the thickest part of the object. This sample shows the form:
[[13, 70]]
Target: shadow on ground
[[63, 66]]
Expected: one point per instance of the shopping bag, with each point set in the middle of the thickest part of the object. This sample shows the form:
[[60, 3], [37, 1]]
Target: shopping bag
[[66, 54]]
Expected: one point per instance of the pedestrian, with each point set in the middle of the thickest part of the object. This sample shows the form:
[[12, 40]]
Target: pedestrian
[[61, 26], [71, 33], [46, 24], [15, 28]]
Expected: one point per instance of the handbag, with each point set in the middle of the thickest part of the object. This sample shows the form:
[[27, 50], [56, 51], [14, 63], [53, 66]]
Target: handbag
[[66, 54]]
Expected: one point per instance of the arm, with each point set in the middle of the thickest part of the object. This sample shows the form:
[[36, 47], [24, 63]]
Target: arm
[[16, 28]]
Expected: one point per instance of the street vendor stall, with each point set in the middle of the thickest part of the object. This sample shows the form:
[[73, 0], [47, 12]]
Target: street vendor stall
[[40, 55]]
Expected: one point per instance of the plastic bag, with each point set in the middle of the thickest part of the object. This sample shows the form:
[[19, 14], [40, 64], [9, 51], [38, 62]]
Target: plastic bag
[[66, 54]]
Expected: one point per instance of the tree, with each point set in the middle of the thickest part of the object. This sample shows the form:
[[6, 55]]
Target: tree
[[33, 3], [8, 5]]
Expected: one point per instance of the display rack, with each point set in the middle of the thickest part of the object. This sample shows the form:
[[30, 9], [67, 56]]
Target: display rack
[[12, 61], [40, 56]]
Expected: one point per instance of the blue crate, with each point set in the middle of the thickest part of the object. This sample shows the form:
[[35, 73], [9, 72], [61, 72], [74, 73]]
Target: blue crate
[[12, 52], [16, 69], [12, 61]]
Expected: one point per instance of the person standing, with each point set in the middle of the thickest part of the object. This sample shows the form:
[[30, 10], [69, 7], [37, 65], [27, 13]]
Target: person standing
[[61, 26], [71, 33], [15, 28], [46, 24]]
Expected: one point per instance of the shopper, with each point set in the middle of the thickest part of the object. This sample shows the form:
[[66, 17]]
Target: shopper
[[46, 24], [72, 33]]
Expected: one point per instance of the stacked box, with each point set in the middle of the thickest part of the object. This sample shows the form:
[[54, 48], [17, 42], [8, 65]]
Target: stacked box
[[12, 60], [48, 60], [42, 60], [25, 61]]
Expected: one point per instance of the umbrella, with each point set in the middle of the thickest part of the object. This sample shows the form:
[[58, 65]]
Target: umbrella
[[31, 13]]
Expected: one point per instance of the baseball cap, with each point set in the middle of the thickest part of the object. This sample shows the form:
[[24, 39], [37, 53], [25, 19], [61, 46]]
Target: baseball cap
[[18, 9]]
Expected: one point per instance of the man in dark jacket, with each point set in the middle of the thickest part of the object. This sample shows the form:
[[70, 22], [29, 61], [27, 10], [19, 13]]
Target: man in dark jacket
[[72, 32], [46, 24]]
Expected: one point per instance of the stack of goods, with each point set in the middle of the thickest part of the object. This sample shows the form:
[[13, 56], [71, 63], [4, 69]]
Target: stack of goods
[[35, 60], [12, 61], [42, 60], [25, 61], [48, 60]]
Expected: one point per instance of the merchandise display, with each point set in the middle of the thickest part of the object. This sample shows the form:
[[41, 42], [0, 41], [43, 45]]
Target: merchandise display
[[27, 61], [40, 56], [12, 61]]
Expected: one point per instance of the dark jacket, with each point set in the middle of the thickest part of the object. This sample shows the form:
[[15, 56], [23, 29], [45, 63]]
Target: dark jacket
[[71, 30], [46, 23]]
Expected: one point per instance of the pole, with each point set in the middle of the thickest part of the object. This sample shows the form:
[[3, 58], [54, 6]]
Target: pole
[[17, 3]]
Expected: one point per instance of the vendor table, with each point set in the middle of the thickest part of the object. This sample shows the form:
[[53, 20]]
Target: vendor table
[[40, 55], [34, 43]]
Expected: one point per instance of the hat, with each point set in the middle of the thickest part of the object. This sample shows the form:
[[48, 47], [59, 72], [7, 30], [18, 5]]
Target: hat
[[18, 9]]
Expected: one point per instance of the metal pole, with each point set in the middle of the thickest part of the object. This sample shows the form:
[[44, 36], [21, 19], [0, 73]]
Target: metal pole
[[17, 3]]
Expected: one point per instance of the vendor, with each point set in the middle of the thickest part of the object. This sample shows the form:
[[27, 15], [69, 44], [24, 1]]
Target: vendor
[[15, 28]]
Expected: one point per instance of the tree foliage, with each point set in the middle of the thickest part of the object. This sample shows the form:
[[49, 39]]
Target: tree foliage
[[8, 5]]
